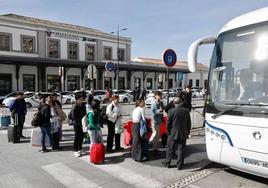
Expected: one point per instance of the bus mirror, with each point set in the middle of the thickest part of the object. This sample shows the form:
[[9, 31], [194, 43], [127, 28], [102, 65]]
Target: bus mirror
[[193, 51], [219, 72]]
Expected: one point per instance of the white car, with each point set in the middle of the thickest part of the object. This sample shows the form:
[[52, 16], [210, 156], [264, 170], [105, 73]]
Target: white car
[[99, 95], [125, 97], [196, 93], [2, 98], [34, 100], [172, 95], [9, 100], [66, 97], [150, 98]]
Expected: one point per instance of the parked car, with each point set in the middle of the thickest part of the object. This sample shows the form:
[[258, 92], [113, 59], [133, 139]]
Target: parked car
[[172, 95], [150, 98], [12, 94], [126, 96], [100, 95], [6, 102], [197, 93], [33, 101], [66, 97], [72, 96], [28, 94]]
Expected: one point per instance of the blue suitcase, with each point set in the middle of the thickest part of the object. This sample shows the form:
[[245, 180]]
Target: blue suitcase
[[5, 119]]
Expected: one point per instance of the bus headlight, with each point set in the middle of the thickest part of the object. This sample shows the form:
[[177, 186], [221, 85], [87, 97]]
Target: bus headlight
[[220, 134]]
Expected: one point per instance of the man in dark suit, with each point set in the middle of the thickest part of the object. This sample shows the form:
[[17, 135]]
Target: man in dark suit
[[18, 108], [178, 129]]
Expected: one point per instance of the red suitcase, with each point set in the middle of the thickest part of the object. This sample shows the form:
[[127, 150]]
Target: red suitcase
[[97, 153]]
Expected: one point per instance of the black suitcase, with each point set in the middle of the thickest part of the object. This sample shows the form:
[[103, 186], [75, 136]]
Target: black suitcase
[[13, 133]]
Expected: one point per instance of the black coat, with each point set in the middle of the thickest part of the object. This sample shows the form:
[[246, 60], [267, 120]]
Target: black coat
[[178, 123], [188, 101], [45, 114], [79, 111]]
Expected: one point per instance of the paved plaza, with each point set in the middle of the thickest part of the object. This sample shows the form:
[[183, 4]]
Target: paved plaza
[[24, 166]]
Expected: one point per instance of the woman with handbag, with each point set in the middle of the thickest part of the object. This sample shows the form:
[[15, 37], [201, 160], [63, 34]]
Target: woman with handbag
[[45, 124], [55, 125], [138, 151], [61, 117], [113, 111]]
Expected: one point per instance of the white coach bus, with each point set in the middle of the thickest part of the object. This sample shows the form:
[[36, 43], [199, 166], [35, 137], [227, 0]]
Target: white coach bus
[[237, 100]]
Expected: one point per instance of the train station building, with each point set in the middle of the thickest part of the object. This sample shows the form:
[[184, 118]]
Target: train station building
[[40, 55]]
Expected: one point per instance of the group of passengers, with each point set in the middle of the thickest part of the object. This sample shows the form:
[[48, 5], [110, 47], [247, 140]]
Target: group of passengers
[[177, 126]]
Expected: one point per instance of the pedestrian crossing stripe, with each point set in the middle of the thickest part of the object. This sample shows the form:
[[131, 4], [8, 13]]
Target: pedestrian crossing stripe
[[67, 176], [126, 175]]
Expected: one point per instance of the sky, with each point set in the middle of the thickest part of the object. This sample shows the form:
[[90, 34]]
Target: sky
[[153, 25]]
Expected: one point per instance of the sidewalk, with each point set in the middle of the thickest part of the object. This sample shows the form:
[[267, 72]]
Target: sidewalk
[[21, 162]]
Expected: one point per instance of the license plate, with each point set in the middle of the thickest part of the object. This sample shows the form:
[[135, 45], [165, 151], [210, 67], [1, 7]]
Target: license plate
[[255, 162]]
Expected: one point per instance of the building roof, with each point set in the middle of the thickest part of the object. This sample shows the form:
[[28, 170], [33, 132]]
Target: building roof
[[179, 65], [47, 23], [253, 17]]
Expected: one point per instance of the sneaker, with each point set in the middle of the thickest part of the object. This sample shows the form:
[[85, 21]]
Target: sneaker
[[77, 154], [166, 165], [44, 151], [179, 167], [144, 159]]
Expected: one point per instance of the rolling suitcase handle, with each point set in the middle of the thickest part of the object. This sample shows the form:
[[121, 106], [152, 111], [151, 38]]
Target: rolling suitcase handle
[[16, 121], [4, 111]]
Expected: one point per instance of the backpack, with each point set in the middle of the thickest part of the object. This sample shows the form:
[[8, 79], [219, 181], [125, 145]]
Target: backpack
[[103, 115], [143, 128], [70, 118], [37, 118], [85, 123]]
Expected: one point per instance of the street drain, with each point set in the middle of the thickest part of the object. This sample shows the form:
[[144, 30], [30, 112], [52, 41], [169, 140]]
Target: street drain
[[189, 179]]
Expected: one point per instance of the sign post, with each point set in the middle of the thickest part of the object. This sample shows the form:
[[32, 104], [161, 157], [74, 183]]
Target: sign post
[[109, 66], [170, 59], [179, 76]]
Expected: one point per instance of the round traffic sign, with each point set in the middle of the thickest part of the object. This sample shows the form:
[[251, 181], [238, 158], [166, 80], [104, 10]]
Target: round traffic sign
[[109, 66], [169, 57]]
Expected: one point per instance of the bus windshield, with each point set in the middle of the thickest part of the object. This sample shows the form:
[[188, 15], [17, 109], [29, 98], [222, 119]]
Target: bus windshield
[[239, 71]]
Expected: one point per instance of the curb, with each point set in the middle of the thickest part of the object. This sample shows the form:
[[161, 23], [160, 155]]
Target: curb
[[196, 175]]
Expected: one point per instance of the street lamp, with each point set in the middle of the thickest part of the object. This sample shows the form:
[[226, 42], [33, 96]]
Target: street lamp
[[117, 73]]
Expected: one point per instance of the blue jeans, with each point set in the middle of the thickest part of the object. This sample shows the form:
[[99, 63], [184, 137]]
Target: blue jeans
[[46, 131]]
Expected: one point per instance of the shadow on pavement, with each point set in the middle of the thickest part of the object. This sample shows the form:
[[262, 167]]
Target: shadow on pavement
[[247, 176], [24, 141]]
